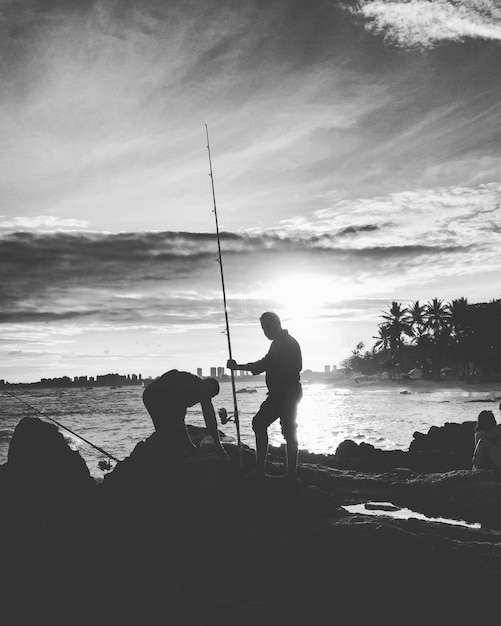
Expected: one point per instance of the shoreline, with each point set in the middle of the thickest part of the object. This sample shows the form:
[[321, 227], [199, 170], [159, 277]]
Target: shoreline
[[358, 382], [482, 386]]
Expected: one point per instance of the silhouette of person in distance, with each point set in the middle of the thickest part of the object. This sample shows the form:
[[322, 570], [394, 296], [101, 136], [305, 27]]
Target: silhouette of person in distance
[[167, 399], [283, 365], [487, 454]]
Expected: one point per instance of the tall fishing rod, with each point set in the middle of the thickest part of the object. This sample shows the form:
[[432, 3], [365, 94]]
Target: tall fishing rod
[[61, 425], [220, 261]]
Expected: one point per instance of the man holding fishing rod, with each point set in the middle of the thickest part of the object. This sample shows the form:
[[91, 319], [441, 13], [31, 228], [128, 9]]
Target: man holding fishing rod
[[283, 365], [167, 399]]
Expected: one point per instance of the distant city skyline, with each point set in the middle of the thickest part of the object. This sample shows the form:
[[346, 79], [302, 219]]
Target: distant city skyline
[[111, 378]]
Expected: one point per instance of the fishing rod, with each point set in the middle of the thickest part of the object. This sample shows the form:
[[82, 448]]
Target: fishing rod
[[34, 408], [220, 261]]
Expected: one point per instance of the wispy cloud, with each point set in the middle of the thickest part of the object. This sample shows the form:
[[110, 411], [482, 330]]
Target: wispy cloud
[[420, 23], [440, 217]]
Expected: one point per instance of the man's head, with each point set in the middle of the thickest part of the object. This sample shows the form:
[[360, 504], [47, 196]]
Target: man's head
[[271, 324], [213, 386]]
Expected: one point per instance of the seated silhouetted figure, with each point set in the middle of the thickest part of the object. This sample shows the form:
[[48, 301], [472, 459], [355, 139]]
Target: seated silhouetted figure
[[487, 454]]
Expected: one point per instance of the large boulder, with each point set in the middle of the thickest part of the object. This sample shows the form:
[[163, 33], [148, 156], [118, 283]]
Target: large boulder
[[450, 437], [39, 451]]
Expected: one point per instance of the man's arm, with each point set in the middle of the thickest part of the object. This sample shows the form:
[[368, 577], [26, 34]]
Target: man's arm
[[211, 424], [231, 364], [255, 368]]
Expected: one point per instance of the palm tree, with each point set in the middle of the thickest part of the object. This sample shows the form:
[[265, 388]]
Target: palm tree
[[354, 360], [437, 323], [415, 317], [460, 331], [357, 351], [485, 339], [356, 356], [382, 349], [395, 326], [382, 339]]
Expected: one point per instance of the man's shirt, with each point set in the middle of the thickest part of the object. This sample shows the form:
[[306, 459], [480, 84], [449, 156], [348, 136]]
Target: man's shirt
[[282, 364]]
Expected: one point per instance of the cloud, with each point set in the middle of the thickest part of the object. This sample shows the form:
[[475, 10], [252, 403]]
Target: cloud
[[41, 223], [169, 280], [441, 217], [420, 23]]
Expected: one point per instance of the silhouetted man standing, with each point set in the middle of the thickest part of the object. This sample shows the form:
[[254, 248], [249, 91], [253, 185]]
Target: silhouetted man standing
[[167, 399], [283, 365]]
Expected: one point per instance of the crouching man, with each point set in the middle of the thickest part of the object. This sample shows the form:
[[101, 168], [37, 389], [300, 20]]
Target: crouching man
[[167, 399]]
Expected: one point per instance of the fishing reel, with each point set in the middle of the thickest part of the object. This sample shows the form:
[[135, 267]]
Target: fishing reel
[[104, 465], [223, 416]]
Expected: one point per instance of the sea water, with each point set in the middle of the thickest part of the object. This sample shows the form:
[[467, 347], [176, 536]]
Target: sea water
[[385, 415]]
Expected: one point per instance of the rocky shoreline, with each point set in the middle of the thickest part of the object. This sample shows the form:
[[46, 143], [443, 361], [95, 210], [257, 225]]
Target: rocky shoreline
[[224, 549]]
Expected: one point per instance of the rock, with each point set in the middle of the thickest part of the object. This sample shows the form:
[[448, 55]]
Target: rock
[[347, 449], [457, 438], [38, 449], [441, 449]]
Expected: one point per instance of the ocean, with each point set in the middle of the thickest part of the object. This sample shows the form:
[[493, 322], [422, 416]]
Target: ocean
[[385, 415]]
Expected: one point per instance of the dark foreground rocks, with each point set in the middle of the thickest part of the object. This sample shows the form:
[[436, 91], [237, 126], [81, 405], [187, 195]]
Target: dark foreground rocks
[[215, 548]]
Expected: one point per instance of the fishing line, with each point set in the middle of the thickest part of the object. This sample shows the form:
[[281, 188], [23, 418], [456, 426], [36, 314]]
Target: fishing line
[[34, 408], [220, 261]]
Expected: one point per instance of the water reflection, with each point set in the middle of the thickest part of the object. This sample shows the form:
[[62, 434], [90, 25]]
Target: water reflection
[[388, 509]]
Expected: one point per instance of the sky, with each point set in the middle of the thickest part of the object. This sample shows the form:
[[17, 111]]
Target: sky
[[356, 160]]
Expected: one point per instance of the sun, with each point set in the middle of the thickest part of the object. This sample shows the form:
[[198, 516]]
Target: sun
[[300, 295]]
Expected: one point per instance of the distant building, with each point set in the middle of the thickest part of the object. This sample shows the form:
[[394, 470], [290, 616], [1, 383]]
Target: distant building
[[199, 372], [327, 369], [220, 372], [213, 372]]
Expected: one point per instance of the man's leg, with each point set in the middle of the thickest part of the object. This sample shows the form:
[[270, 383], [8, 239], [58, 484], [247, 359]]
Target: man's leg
[[263, 418], [189, 448], [291, 450], [289, 430], [261, 452]]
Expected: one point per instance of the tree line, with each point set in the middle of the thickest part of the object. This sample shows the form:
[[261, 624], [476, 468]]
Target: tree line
[[440, 338]]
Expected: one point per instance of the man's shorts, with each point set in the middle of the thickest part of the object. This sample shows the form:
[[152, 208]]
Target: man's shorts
[[278, 407]]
